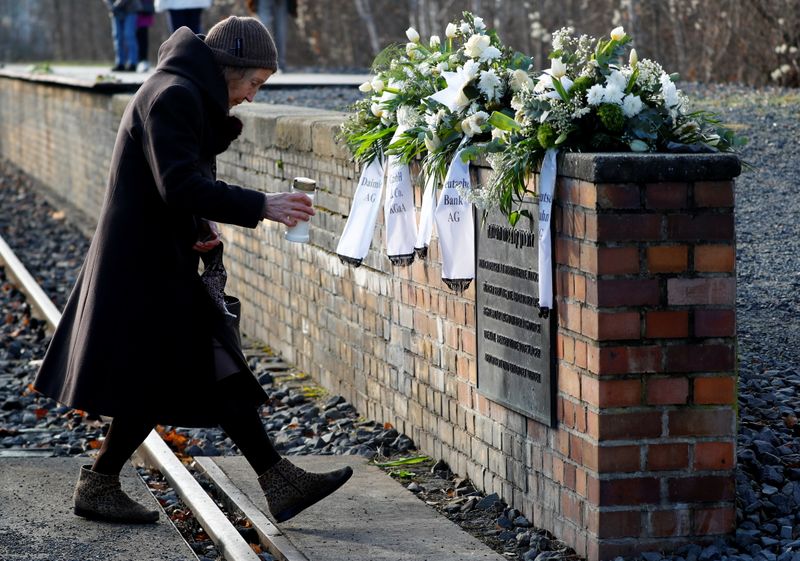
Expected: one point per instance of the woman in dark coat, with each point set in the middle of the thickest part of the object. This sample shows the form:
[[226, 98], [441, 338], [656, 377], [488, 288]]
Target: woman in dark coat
[[144, 337]]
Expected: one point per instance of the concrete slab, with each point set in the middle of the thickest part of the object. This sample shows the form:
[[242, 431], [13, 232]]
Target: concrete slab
[[372, 517], [37, 523]]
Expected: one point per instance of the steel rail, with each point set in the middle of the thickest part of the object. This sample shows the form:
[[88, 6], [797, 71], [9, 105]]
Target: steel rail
[[228, 540]]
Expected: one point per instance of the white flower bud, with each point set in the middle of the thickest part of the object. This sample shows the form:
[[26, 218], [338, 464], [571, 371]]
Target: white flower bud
[[432, 144], [478, 22], [377, 85], [366, 87], [450, 30], [376, 110], [633, 59], [412, 35], [617, 33], [465, 28], [435, 41], [558, 69]]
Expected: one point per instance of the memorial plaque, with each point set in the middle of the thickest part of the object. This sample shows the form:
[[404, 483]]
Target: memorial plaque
[[515, 345]]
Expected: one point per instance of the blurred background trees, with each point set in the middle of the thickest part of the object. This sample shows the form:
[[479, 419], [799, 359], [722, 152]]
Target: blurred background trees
[[746, 41]]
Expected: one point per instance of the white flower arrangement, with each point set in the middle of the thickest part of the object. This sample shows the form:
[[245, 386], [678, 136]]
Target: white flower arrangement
[[470, 91]]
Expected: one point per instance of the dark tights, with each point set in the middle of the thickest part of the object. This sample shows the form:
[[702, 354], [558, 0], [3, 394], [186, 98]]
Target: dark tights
[[242, 424]]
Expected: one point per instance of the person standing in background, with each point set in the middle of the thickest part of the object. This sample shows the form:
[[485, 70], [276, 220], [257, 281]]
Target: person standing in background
[[183, 13], [144, 20], [123, 29], [274, 14]]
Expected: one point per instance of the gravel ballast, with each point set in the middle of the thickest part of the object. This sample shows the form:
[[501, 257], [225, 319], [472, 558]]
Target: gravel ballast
[[303, 420]]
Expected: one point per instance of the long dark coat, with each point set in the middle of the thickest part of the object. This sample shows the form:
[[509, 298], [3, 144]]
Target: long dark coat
[[135, 337]]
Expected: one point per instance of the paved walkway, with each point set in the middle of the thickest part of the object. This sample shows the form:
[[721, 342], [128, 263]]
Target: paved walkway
[[37, 523], [372, 517], [97, 76]]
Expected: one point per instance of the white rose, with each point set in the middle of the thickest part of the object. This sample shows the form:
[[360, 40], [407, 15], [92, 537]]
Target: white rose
[[365, 87], [558, 69], [412, 35], [451, 30], [489, 54], [476, 45], [479, 25], [435, 41], [377, 85], [520, 80], [617, 33]]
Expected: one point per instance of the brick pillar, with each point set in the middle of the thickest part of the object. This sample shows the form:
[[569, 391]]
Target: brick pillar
[[646, 290]]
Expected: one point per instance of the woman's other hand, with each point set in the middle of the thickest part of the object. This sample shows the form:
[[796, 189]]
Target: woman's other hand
[[209, 237], [288, 208]]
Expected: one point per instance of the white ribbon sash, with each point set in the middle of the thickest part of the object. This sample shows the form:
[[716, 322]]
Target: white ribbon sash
[[399, 211], [547, 184], [360, 227], [426, 218], [455, 226]]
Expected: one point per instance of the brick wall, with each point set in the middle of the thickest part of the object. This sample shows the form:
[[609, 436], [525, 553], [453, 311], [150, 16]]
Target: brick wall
[[642, 455]]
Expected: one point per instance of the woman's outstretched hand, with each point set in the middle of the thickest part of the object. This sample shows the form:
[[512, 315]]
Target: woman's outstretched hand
[[288, 208], [209, 237]]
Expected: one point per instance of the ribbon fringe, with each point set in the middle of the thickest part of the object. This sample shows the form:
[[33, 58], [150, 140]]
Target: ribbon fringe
[[457, 285]]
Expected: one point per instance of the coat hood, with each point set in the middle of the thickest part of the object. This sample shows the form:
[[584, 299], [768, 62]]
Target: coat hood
[[187, 55]]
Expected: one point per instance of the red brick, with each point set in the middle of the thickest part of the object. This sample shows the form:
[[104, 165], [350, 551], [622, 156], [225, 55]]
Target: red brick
[[568, 252], [612, 195], [590, 454], [580, 354], [618, 393], [627, 227], [667, 391], [624, 360], [667, 259], [566, 189], [566, 412], [666, 195], [618, 459], [707, 291], [626, 426], [714, 520], [713, 455], [587, 193], [665, 325], [606, 326], [719, 390], [579, 287], [713, 194], [700, 358], [665, 457], [575, 453], [666, 523], [710, 489], [615, 524], [572, 508], [569, 381], [714, 258], [714, 323], [569, 316], [700, 422], [616, 260], [629, 491], [702, 227], [624, 292]]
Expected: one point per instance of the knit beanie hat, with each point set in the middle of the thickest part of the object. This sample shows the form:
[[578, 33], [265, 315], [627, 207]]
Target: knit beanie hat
[[242, 42]]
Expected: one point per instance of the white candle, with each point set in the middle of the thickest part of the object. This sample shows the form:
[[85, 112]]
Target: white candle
[[299, 232]]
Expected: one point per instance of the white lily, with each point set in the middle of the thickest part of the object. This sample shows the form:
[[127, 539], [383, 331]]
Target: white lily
[[412, 35], [453, 96]]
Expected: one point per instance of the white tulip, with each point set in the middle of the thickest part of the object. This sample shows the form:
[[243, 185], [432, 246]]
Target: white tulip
[[435, 41], [633, 58], [411, 49], [376, 110], [451, 30], [412, 35], [519, 80], [432, 144], [617, 33], [377, 85], [366, 87], [558, 69]]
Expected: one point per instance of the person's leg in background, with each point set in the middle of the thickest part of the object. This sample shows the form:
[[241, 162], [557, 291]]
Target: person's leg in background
[[131, 46], [98, 494], [118, 34], [143, 22]]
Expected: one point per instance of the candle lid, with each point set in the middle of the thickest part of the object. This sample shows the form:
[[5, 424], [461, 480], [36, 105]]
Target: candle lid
[[304, 184]]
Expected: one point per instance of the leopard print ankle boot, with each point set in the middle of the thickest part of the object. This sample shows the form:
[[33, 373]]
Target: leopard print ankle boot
[[100, 497], [289, 489]]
